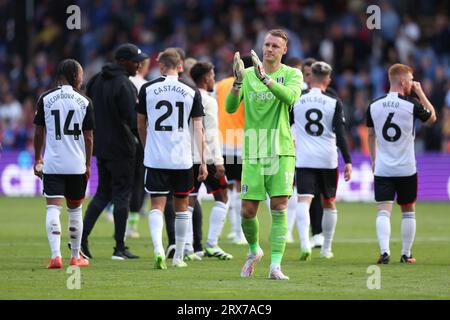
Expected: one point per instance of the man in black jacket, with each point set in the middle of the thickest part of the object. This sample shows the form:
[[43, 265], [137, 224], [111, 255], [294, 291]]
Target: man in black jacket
[[115, 144]]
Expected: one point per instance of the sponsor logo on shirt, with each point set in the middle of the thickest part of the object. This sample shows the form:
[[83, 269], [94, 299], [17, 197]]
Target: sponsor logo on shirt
[[261, 96]]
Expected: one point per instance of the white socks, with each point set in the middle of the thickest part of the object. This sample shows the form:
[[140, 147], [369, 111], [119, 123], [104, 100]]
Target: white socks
[[216, 221], [384, 230], [190, 231], [329, 221], [303, 222], [408, 232], [231, 210], [75, 230], [53, 226], [181, 227], [156, 224], [291, 212]]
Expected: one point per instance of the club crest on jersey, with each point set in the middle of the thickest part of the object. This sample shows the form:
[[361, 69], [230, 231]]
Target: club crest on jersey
[[280, 80]]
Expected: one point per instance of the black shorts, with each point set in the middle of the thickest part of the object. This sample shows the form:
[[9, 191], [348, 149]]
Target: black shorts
[[160, 182], [212, 184], [405, 187], [233, 167], [69, 186], [317, 181]]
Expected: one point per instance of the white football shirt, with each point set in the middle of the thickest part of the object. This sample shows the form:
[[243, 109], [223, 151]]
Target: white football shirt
[[168, 103], [65, 113], [138, 81], [213, 149], [315, 141], [392, 117]]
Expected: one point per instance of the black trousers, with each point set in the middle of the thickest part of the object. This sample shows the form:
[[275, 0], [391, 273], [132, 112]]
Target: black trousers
[[138, 191], [169, 216], [114, 185], [315, 214]]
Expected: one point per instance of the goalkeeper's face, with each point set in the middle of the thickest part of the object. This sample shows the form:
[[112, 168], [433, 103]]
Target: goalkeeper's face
[[273, 49]]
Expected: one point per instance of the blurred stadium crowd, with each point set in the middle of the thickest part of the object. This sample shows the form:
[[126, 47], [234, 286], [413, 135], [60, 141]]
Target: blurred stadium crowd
[[412, 32]]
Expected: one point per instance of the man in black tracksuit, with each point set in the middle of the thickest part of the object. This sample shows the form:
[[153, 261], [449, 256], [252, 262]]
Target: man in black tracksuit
[[115, 98]]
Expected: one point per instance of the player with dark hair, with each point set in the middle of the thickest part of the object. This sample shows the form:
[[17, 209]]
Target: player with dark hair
[[64, 120], [115, 143], [294, 62], [202, 74], [137, 192], [231, 127]]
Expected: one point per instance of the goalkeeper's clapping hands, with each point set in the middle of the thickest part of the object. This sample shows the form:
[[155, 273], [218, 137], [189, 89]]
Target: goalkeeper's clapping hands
[[238, 71], [259, 69]]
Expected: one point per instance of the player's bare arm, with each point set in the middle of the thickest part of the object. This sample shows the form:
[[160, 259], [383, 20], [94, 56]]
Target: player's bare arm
[[211, 130], [142, 127], [88, 145], [416, 86], [39, 138], [220, 168], [199, 141]]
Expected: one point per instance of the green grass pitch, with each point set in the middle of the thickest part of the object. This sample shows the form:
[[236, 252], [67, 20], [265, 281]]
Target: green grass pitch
[[25, 253]]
